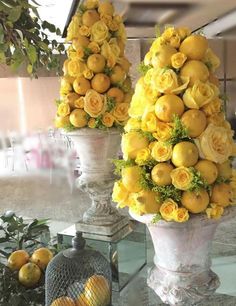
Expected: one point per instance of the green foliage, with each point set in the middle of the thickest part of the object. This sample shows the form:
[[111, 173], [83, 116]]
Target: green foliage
[[179, 132], [167, 192], [148, 135], [58, 102], [87, 53], [69, 127], [111, 102], [157, 30], [24, 38], [108, 71], [156, 218], [17, 234], [221, 180], [143, 69], [81, 9], [99, 124], [198, 182], [120, 164]]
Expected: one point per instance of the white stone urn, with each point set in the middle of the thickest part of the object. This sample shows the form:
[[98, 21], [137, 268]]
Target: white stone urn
[[96, 149], [182, 273]]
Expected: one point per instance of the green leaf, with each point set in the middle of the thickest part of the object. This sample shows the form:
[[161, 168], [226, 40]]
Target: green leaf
[[49, 26], [120, 164], [156, 218], [1, 34], [111, 102], [29, 69], [32, 54], [14, 14], [168, 192], [143, 69], [179, 132]]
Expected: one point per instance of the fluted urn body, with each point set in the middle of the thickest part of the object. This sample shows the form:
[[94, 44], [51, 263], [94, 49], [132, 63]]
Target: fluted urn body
[[96, 149]]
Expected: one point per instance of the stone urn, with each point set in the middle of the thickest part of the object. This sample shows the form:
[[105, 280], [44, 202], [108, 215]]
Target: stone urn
[[182, 272], [96, 149]]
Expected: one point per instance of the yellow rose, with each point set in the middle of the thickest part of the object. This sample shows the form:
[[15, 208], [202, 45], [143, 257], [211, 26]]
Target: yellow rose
[[211, 60], [199, 95], [178, 59], [121, 33], [94, 47], [120, 194], [148, 58], [66, 87], [214, 211], [99, 32], [63, 109], [70, 99], [166, 81], [168, 210], [114, 47], [214, 107], [183, 32], [107, 52], [181, 215], [133, 142], [91, 4], [143, 156], [72, 31], [79, 103], [65, 67], [108, 119], [132, 125], [75, 68], [92, 123], [216, 143], [61, 122], [171, 36], [163, 131], [155, 47], [79, 53], [161, 151], [120, 112], [106, 18], [113, 25], [71, 53], [149, 76], [84, 31], [94, 103], [149, 122], [182, 178], [88, 74]]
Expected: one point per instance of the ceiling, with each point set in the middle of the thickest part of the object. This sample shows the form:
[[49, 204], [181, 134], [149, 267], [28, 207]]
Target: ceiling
[[217, 17]]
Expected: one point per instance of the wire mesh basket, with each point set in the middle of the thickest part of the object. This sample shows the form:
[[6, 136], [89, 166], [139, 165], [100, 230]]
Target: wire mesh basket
[[78, 277]]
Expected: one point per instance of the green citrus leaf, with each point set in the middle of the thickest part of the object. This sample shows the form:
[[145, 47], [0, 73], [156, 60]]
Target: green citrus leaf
[[14, 14], [29, 69], [32, 54]]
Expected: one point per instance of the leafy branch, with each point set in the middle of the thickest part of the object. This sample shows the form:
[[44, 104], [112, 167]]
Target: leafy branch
[[198, 182], [143, 69], [179, 132], [167, 192], [120, 164]]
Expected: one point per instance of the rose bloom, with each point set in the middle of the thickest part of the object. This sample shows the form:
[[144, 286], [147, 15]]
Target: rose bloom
[[63, 109], [66, 87], [92, 123], [211, 60], [214, 211], [143, 156], [108, 120], [183, 32], [120, 194], [79, 53], [88, 74], [75, 68], [113, 25], [178, 59], [132, 124], [94, 103], [84, 31], [72, 31], [106, 18], [216, 143], [121, 33], [120, 112], [171, 36], [99, 32], [163, 131], [214, 107], [114, 47], [219, 120], [79, 103], [91, 4], [148, 76], [94, 47], [182, 178], [149, 122], [181, 215], [199, 95], [168, 209], [161, 151], [71, 53], [133, 142], [109, 55]]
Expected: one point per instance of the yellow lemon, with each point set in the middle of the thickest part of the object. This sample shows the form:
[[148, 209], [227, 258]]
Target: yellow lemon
[[125, 64], [195, 121], [100, 82], [221, 194], [42, 257], [185, 154], [106, 8], [194, 47], [225, 169], [17, 259], [78, 118], [118, 75], [61, 122], [163, 57], [167, 106], [117, 94], [90, 17], [80, 41], [195, 70], [65, 301], [208, 170], [147, 202], [161, 174], [82, 301], [96, 63], [195, 202], [97, 291], [81, 85], [131, 177], [29, 275]]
